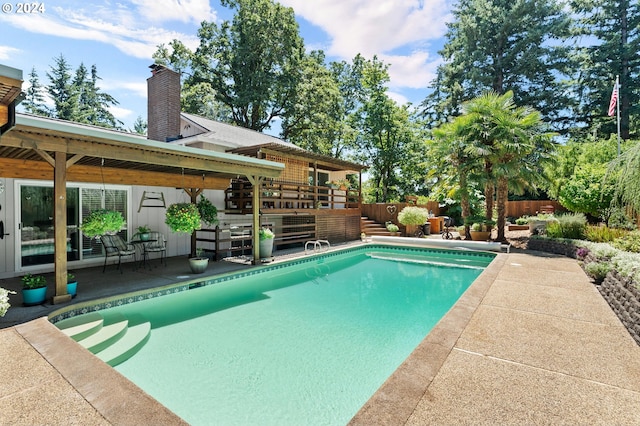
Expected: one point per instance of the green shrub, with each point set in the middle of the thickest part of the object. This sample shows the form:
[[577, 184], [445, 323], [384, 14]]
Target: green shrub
[[603, 234], [630, 242], [619, 219], [597, 270], [571, 225], [413, 216], [522, 220]]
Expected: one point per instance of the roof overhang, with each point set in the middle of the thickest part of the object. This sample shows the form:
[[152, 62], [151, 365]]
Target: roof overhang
[[323, 161], [89, 148], [10, 89]]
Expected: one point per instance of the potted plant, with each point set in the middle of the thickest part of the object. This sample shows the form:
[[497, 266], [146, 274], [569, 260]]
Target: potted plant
[[102, 221], [199, 263], [72, 284], [393, 228], [481, 229], [208, 212], [341, 184], [363, 237], [413, 217], [538, 224], [266, 242], [183, 217], [34, 289], [143, 232], [188, 218]]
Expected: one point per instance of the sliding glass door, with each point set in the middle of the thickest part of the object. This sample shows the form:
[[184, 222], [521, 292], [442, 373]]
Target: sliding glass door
[[36, 231]]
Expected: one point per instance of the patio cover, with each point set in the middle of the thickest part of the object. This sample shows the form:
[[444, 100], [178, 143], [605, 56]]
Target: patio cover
[[49, 149]]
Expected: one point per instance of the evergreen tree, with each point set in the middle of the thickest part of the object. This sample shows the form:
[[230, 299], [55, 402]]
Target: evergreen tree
[[61, 90], [79, 98], [610, 30], [139, 126], [505, 45], [34, 101]]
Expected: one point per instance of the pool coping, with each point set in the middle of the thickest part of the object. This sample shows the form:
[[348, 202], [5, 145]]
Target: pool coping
[[396, 400]]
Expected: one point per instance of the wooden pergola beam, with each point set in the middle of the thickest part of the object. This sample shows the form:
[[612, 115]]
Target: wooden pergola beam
[[26, 169]]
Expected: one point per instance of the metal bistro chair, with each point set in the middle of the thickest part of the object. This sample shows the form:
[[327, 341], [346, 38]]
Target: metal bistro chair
[[114, 245], [157, 244], [446, 232]]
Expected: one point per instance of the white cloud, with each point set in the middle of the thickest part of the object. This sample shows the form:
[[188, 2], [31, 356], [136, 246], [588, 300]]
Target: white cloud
[[6, 52], [398, 98], [397, 31], [120, 28], [415, 70], [120, 113], [194, 11], [135, 88], [374, 27]]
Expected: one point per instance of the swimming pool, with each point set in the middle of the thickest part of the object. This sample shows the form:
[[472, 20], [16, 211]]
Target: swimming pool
[[307, 342]]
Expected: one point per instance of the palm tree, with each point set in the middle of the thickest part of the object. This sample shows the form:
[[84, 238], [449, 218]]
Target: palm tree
[[509, 141], [449, 146]]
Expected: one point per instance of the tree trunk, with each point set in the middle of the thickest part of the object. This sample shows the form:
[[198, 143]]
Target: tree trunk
[[501, 201], [464, 204], [488, 199]]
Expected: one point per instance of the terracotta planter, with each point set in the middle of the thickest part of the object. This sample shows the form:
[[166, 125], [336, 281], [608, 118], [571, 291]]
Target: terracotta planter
[[480, 235]]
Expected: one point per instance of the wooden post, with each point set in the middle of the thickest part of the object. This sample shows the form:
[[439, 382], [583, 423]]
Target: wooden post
[[60, 227], [256, 181]]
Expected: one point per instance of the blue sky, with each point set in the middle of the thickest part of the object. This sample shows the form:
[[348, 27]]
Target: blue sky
[[120, 37]]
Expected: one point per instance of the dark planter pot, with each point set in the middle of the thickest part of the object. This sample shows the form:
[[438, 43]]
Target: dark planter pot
[[144, 237], [72, 288], [34, 296], [198, 264]]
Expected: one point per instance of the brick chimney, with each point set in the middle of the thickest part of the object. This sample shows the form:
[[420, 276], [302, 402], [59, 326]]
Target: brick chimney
[[163, 104]]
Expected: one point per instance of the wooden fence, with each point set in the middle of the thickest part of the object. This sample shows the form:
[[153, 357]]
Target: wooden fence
[[517, 209], [385, 212]]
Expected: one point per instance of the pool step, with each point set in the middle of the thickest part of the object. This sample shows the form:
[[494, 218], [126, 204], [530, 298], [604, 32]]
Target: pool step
[[120, 351], [108, 335], [82, 326], [114, 342]]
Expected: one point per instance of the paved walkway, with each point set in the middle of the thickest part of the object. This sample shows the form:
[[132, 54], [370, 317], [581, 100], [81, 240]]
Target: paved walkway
[[531, 342]]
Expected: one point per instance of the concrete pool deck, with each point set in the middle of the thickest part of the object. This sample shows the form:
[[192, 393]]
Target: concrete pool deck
[[530, 342]]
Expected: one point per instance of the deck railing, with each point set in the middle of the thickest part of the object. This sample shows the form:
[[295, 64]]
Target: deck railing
[[288, 196]]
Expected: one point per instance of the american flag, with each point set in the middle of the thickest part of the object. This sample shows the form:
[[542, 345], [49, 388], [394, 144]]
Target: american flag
[[614, 100]]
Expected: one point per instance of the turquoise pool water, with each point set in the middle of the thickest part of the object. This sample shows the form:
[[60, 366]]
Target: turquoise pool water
[[307, 344]]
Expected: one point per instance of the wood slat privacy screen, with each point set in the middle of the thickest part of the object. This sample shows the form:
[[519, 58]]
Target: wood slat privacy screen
[[294, 170]]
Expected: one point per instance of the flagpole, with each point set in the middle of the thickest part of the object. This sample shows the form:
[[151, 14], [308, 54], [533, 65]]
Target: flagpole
[[618, 110]]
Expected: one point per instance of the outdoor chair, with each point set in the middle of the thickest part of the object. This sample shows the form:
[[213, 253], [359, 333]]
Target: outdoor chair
[[157, 244], [114, 245]]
